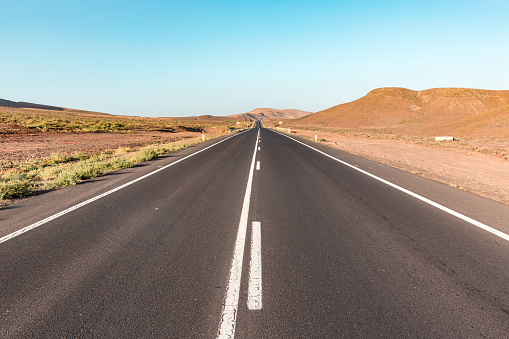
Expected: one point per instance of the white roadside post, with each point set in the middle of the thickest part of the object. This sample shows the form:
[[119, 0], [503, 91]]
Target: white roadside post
[[203, 135], [315, 137]]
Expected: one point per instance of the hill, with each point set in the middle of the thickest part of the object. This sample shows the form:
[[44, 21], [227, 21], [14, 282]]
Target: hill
[[456, 110], [22, 104], [271, 113]]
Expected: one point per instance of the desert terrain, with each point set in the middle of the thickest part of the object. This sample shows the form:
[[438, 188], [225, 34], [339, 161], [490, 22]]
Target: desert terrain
[[35, 131], [393, 126], [398, 126], [46, 147]]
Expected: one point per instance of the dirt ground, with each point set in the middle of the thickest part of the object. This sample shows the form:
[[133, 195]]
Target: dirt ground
[[26, 146], [483, 174]]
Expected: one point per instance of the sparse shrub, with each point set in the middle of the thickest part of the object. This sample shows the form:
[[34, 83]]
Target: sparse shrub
[[79, 155], [118, 163], [72, 176], [18, 179], [15, 176], [145, 155], [123, 150], [97, 157], [58, 157], [14, 189], [49, 172]]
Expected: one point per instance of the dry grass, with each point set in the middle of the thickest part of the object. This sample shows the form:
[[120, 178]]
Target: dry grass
[[31, 177], [24, 178]]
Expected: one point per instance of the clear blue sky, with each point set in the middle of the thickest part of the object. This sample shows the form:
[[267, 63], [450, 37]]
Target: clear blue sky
[[180, 58]]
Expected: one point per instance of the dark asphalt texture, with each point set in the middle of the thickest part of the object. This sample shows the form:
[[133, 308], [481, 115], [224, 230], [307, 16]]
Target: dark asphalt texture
[[343, 255]]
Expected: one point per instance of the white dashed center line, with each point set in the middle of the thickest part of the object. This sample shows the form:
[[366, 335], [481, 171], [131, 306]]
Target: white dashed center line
[[230, 307], [254, 293]]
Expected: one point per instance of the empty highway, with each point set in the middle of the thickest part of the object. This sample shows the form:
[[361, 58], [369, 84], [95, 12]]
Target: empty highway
[[255, 235]]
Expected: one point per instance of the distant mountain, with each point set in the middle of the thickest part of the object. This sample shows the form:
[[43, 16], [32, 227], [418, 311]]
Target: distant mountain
[[21, 104], [271, 113], [427, 111]]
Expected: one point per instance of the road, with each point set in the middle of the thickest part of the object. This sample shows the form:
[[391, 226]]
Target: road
[[255, 235]]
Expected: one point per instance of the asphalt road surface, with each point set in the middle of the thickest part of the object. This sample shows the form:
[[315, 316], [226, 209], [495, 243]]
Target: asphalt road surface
[[255, 235]]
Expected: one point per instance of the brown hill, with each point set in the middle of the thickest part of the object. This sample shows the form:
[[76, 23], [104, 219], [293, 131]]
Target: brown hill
[[271, 113], [458, 110]]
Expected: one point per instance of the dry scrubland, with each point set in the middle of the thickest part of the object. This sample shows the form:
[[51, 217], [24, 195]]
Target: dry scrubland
[[477, 119], [42, 149], [69, 120], [397, 127]]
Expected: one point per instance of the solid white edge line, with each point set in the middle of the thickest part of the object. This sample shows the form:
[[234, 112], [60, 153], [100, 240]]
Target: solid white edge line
[[229, 314], [415, 195], [86, 202], [254, 292]]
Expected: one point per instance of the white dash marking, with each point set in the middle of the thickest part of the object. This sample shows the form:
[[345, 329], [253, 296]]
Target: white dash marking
[[229, 315], [254, 293], [258, 148], [257, 165]]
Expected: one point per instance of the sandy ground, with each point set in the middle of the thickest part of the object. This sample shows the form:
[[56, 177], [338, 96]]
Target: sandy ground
[[483, 174]]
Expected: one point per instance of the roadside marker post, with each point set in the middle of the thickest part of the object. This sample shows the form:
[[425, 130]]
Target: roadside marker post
[[202, 135], [315, 137]]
